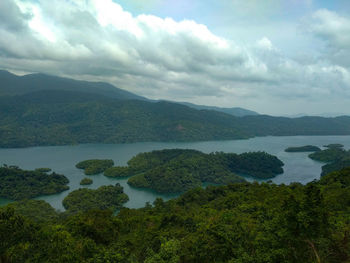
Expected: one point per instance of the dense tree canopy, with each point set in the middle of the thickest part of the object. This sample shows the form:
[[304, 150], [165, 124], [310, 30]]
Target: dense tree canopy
[[86, 181], [335, 156], [105, 197], [306, 148], [94, 166], [178, 170], [17, 184], [58, 117], [247, 222]]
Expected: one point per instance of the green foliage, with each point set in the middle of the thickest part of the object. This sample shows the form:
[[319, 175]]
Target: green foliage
[[334, 145], [329, 155], [59, 117], [94, 166], [246, 223], [336, 166], [17, 184], [86, 181], [177, 170], [118, 171], [43, 170], [336, 157], [36, 210], [306, 148], [105, 197]]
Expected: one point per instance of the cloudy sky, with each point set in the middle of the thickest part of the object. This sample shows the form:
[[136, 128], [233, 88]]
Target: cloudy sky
[[277, 57]]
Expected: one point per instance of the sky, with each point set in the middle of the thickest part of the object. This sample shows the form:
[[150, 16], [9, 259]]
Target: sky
[[277, 57]]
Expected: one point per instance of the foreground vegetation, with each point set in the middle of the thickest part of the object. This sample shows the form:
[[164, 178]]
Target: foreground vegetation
[[307, 148], [246, 222], [105, 197], [177, 170], [94, 166], [17, 184]]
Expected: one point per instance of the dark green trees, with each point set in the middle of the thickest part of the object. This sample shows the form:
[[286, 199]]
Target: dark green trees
[[245, 222], [94, 166], [19, 184], [105, 197], [177, 170]]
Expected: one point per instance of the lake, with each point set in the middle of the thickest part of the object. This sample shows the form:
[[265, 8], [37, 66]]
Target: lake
[[62, 159]]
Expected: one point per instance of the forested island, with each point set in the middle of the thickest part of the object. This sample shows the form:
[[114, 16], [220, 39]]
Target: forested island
[[17, 184], [306, 148], [334, 145], [177, 170], [94, 166], [105, 197], [245, 222], [335, 157], [86, 181], [118, 171], [329, 155]]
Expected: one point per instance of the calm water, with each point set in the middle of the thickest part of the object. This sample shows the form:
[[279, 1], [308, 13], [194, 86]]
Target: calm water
[[62, 159]]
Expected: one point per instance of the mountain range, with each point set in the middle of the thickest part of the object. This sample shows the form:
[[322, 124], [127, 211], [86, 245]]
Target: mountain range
[[39, 109]]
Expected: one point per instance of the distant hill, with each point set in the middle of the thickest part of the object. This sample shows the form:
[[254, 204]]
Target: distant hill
[[16, 85], [39, 109], [236, 111], [56, 117]]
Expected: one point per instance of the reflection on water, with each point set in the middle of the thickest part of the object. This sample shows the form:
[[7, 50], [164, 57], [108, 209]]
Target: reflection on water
[[62, 159]]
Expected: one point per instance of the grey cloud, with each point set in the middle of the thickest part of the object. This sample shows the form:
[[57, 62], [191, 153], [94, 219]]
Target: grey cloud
[[11, 18], [162, 58]]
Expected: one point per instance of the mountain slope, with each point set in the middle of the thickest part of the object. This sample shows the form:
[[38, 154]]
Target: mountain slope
[[55, 117], [16, 85], [236, 111], [64, 117]]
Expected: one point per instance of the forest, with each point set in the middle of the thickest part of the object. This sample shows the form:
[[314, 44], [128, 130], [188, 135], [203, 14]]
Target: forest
[[242, 222], [177, 170], [53, 117], [105, 197], [306, 148], [94, 166], [335, 157], [17, 184]]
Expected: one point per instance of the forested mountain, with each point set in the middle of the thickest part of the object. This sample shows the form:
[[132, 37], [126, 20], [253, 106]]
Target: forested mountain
[[67, 117], [37, 119], [235, 111], [11, 84], [39, 109]]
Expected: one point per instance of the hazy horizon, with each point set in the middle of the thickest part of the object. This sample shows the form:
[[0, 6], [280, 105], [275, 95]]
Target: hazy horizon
[[274, 57]]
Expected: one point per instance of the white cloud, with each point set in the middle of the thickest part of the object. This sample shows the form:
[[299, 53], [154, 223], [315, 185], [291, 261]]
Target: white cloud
[[164, 58]]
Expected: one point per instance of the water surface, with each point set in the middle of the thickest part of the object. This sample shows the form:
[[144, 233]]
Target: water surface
[[62, 159]]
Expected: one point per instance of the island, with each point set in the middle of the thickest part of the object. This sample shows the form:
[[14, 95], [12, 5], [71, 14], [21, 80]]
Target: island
[[334, 145], [17, 184], [336, 166], [328, 155], [336, 158], [105, 197], [118, 171], [306, 148], [177, 170], [86, 181], [94, 166]]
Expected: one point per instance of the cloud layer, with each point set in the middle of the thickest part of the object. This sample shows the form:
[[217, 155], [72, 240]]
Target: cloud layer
[[176, 60]]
